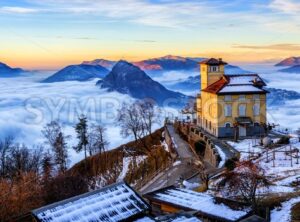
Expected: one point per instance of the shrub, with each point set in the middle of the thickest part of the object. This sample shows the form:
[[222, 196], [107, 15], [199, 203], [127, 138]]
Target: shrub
[[230, 164], [284, 140], [63, 187], [296, 212]]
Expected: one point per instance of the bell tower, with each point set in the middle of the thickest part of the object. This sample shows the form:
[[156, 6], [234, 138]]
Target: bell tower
[[211, 71]]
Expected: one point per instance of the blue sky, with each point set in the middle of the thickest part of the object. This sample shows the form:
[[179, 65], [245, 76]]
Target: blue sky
[[53, 33]]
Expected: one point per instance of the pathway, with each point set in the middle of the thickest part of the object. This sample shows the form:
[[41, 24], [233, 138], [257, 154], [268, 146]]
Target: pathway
[[183, 168]]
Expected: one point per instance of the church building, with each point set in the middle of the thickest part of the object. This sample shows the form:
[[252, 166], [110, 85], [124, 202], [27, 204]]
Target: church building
[[230, 105]]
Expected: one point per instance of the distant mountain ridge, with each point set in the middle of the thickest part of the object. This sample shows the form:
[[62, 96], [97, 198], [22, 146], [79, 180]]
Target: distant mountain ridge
[[292, 61], [194, 82], [7, 71], [80, 72], [166, 63], [293, 69], [280, 96], [129, 79], [101, 62]]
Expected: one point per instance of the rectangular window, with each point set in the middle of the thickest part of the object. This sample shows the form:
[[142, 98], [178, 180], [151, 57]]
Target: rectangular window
[[214, 68], [256, 109], [256, 97], [227, 98], [242, 110], [228, 110], [242, 97]]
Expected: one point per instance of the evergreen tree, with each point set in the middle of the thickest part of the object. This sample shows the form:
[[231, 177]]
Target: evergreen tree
[[61, 153], [81, 130], [47, 168]]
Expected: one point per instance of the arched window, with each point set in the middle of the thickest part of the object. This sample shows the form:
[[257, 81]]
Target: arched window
[[256, 124], [242, 110], [227, 125]]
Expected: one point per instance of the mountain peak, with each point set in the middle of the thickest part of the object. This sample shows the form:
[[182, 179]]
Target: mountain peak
[[173, 57], [101, 62], [129, 79], [7, 71], [291, 61], [82, 72]]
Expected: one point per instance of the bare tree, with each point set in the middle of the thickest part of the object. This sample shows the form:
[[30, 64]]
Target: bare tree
[[5, 148], [97, 142], [51, 132], [57, 141], [148, 114], [130, 121], [22, 159], [244, 182]]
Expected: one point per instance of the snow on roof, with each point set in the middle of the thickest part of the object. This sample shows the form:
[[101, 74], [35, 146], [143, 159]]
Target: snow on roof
[[112, 203], [240, 88], [247, 83], [242, 83], [199, 201], [179, 218], [185, 219], [243, 79]]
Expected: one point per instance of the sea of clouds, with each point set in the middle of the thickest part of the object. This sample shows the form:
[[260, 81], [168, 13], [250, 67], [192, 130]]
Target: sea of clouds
[[26, 106]]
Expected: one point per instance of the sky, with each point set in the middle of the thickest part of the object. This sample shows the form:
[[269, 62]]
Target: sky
[[49, 34]]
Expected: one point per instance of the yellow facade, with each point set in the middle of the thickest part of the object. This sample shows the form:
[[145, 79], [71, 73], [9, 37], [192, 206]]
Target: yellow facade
[[209, 76], [217, 112]]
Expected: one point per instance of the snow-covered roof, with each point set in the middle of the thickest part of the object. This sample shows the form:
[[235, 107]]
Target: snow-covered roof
[[170, 218], [231, 84], [243, 83], [243, 79], [240, 88], [203, 203], [112, 203]]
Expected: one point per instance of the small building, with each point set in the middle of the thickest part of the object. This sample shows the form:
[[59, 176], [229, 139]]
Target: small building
[[117, 202], [230, 105], [208, 208]]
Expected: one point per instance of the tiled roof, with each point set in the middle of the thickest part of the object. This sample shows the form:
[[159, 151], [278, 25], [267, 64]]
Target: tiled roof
[[213, 61], [216, 86], [113, 203], [232, 84]]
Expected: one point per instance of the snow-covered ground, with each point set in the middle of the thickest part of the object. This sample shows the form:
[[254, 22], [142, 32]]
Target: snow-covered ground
[[283, 213], [275, 161], [222, 155]]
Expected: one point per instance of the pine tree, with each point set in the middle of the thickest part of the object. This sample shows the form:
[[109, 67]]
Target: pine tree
[[81, 130], [61, 153], [47, 168]]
